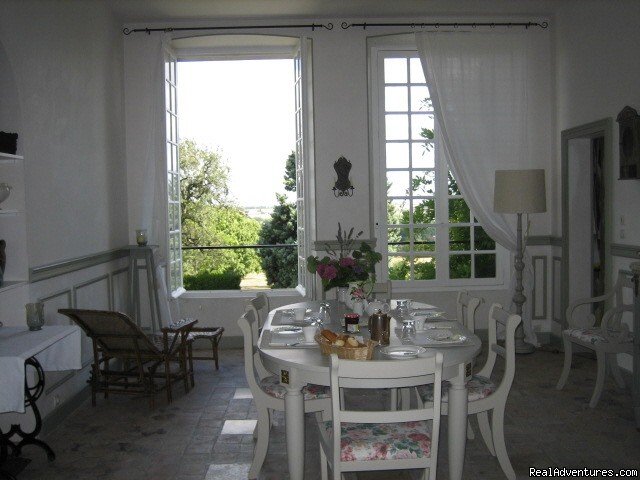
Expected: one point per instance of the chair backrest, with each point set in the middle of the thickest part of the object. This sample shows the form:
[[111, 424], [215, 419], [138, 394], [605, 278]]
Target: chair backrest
[[466, 307], [385, 374], [260, 307], [382, 290], [113, 332], [253, 368], [498, 315]]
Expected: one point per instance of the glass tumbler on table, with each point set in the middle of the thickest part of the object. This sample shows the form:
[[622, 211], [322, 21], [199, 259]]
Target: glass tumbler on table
[[324, 315], [408, 331]]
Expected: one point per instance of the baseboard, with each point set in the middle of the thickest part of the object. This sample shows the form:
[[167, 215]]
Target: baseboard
[[57, 416]]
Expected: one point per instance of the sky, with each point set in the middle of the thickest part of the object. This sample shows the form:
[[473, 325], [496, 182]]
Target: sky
[[243, 109]]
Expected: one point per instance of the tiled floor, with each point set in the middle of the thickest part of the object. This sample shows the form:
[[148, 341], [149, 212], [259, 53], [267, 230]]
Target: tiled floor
[[195, 437]]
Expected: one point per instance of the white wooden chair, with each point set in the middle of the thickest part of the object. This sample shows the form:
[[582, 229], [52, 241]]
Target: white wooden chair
[[484, 394], [381, 440], [466, 307], [607, 340], [260, 306], [267, 392]]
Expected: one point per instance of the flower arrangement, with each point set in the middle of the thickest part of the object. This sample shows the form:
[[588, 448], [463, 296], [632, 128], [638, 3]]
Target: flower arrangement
[[346, 265]]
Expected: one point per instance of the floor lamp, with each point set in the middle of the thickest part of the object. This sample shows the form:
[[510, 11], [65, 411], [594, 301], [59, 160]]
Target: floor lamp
[[520, 191]]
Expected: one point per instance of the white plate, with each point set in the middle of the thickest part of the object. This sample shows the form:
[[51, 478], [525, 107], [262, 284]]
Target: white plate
[[439, 334], [287, 330], [403, 352], [428, 314]]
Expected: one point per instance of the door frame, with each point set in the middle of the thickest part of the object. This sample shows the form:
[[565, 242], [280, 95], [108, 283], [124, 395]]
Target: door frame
[[599, 128]]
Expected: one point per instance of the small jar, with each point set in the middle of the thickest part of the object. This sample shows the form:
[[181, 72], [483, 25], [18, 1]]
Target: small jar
[[141, 237], [351, 322]]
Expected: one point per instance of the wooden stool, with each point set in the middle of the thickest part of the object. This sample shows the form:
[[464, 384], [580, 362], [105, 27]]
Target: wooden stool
[[213, 334]]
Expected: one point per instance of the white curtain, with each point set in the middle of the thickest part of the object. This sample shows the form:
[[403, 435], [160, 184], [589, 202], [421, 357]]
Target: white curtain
[[480, 84], [145, 116]]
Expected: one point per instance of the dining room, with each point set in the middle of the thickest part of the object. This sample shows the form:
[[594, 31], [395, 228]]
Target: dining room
[[486, 151]]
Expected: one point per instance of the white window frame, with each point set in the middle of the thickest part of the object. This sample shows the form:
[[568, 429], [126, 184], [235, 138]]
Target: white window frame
[[403, 46], [172, 163], [304, 147]]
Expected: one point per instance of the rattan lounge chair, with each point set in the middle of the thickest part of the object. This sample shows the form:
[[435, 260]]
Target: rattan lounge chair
[[126, 360]]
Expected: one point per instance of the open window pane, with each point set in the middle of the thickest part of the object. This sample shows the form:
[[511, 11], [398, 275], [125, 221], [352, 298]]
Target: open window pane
[[424, 268], [460, 266], [399, 268]]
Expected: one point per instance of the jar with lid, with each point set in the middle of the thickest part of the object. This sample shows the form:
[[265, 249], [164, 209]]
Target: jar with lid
[[351, 321]]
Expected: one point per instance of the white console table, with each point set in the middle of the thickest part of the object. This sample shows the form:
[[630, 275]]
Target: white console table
[[54, 348]]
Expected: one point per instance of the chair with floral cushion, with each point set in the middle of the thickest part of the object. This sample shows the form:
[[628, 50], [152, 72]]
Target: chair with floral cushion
[[267, 392], [356, 440], [607, 340], [484, 394]]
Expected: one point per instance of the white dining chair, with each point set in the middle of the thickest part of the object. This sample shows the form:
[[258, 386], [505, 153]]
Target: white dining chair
[[268, 394], [607, 340], [356, 440], [260, 306], [486, 396], [466, 306]]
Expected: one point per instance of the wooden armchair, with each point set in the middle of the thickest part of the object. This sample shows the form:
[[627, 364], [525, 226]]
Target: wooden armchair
[[143, 360]]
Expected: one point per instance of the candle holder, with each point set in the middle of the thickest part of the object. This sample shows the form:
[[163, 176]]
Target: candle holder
[[141, 237]]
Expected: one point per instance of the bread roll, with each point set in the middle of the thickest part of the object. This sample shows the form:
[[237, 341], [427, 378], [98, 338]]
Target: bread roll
[[352, 342], [329, 335], [339, 343]]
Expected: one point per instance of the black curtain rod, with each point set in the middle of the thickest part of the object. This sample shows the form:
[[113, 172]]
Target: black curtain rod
[[346, 25], [312, 26]]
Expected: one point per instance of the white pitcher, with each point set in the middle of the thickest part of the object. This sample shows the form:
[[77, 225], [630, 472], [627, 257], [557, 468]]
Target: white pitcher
[[376, 305]]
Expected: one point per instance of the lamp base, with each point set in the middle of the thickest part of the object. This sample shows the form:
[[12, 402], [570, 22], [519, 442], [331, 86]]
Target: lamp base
[[523, 347]]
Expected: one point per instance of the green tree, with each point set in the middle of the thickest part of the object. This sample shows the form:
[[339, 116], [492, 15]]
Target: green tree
[[281, 264], [209, 218]]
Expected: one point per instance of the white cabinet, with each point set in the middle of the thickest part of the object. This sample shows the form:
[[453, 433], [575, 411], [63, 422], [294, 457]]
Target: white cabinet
[[13, 227]]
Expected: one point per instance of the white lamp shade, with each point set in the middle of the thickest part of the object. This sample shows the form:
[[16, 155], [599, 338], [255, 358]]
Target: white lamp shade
[[519, 191]]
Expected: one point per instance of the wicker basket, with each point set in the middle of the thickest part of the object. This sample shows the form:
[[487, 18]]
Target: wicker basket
[[349, 353]]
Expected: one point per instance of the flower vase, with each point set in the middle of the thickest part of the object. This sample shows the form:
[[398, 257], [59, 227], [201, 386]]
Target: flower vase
[[358, 307], [343, 294]]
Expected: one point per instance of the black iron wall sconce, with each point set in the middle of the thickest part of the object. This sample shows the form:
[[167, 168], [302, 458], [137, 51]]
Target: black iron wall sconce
[[342, 187]]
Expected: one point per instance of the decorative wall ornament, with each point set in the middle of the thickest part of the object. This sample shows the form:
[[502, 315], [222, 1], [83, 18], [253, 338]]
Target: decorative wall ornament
[[342, 187], [629, 124]]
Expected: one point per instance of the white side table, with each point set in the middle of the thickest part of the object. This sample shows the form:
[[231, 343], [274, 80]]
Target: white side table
[[53, 348]]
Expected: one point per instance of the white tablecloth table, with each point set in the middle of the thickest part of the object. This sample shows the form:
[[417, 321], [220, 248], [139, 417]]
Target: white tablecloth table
[[297, 367], [56, 347]]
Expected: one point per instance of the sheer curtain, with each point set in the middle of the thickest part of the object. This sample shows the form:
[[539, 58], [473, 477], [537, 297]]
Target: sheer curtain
[[480, 85]]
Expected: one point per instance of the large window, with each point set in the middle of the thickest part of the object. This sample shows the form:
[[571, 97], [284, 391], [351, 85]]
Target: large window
[[243, 148], [425, 229]]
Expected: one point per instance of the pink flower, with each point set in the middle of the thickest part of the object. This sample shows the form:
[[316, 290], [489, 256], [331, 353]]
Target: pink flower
[[327, 272], [347, 262]]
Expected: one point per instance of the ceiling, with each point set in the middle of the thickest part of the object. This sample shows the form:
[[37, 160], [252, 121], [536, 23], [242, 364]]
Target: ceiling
[[133, 11]]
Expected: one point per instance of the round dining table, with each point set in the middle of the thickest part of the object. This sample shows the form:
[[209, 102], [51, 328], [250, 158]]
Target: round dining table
[[296, 367]]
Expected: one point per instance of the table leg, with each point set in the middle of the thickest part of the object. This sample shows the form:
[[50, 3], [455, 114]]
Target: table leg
[[457, 422], [294, 424]]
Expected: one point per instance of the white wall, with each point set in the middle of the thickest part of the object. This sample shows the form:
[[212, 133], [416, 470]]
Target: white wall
[[66, 59], [598, 71], [61, 81]]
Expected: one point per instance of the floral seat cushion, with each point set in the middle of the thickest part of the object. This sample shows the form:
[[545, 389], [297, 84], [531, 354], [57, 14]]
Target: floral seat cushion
[[594, 335], [272, 387], [478, 388], [382, 441]]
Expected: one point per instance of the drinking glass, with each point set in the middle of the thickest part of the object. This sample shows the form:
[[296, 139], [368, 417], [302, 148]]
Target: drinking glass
[[324, 315], [408, 331]]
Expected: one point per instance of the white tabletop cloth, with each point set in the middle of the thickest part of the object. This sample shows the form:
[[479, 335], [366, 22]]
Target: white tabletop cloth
[[56, 347]]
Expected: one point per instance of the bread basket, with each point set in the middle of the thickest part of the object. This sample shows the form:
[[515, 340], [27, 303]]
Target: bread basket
[[363, 352]]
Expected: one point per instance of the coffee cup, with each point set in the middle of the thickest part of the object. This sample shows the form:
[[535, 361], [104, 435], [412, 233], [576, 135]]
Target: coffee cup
[[309, 333]]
